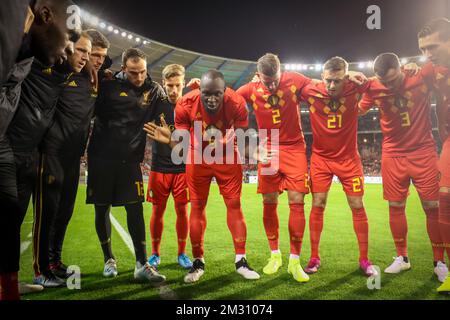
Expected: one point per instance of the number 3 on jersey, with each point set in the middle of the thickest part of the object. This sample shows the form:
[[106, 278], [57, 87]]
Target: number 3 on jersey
[[406, 121], [334, 121], [276, 116]]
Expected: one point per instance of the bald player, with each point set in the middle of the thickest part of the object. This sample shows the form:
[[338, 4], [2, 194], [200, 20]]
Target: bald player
[[213, 109]]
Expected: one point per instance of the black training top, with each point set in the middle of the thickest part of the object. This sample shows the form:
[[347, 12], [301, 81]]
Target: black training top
[[67, 137], [161, 153], [120, 114]]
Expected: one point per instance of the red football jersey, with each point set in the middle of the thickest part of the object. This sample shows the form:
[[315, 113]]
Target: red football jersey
[[334, 122], [278, 111], [405, 116], [439, 77], [189, 110]]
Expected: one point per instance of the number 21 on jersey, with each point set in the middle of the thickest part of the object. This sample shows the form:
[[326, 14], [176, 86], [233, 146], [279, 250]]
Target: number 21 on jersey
[[334, 121]]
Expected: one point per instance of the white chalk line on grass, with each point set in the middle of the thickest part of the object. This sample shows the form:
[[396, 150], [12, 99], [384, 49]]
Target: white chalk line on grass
[[164, 291], [25, 244]]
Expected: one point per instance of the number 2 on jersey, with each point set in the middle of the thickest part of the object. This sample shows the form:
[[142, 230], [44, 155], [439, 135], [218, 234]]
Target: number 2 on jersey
[[276, 116]]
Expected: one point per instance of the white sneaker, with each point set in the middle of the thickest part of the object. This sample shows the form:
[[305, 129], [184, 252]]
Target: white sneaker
[[398, 265], [441, 271], [197, 270], [244, 270], [147, 272], [26, 288], [110, 270]]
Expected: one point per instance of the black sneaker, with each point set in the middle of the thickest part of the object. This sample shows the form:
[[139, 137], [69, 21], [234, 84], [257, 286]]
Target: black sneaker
[[59, 269], [197, 270]]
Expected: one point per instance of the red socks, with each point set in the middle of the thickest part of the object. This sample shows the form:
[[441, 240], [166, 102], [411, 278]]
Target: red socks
[[271, 224], [296, 226], [434, 233], [444, 220], [236, 224], [399, 229], [361, 227], [197, 226], [156, 226], [182, 226], [315, 229], [9, 286]]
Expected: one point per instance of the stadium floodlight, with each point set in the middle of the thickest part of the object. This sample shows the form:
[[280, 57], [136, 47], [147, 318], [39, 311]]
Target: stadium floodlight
[[145, 42], [361, 65], [369, 64], [124, 34], [94, 21], [130, 36], [404, 61], [110, 28], [116, 31], [305, 67], [103, 25], [311, 67], [138, 39], [318, 67], [423, 59], [287, 66]]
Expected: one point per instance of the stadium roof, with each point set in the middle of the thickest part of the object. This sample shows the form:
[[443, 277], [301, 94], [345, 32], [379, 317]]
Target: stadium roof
[[236, 72]]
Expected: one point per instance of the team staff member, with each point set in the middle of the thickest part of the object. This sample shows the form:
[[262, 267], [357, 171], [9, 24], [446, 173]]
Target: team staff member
[[115, 152], [65, 143], [47, 40]]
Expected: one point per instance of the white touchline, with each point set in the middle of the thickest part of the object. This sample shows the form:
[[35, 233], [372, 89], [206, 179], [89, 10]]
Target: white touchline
[[25, 245], [164, 291]]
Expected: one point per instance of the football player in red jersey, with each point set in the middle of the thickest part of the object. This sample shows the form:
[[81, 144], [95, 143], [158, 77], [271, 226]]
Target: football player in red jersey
[[409, 153], [434, 41], [275, 101], [333, 109], [212, 110]]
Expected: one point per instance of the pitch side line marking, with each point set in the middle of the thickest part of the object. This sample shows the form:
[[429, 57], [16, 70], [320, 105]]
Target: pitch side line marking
[[164, 291], [25, 245]]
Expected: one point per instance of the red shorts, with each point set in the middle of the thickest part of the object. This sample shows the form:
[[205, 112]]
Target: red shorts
[[444, 164], [288, 172], [398, 172], [162, 184], [228, 177], [349, 172]]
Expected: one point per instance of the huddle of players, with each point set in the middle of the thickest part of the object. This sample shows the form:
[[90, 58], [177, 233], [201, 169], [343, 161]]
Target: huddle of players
[[403, 97], [44, 141]]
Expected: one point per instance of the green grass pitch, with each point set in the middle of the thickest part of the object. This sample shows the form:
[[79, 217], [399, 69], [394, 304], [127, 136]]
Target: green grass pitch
[[338, 278]]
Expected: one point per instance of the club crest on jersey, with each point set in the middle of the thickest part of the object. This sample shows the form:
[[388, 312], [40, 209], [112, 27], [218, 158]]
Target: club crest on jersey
[[146, 97], [123, 94], [273, 100], [47, 71], [72, 84], [401, 102], [334, 105]]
